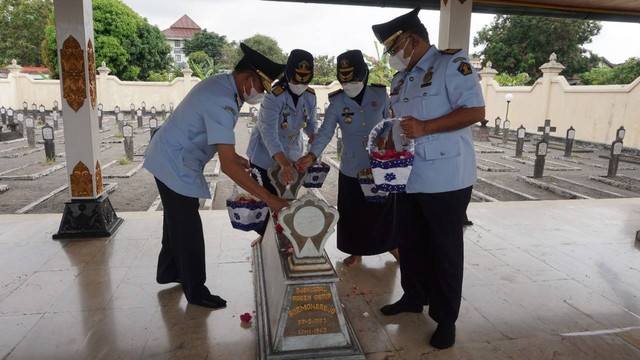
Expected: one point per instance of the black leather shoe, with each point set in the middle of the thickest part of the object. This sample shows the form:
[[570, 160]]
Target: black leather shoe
[[167, 281], [400, 306], [444, 337], [213, 302]]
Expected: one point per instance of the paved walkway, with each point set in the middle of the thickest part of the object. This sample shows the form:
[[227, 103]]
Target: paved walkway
[[544, 279]]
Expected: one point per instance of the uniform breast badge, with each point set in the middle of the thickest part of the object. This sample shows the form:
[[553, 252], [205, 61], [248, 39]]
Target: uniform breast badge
[[396, 90], [305, 116], [348, 119], [426, 80], [285, 121]]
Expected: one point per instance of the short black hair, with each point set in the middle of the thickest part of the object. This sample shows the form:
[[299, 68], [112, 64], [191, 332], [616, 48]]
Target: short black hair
[[243, 66]]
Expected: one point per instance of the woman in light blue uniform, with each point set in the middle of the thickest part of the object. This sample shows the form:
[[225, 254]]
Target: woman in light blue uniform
[[364, 228], [201, 126], [285, 113], [439, 97]]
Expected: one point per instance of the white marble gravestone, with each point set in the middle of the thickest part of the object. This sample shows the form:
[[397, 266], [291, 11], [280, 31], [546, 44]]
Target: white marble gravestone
[[290, 191], [299, 313]]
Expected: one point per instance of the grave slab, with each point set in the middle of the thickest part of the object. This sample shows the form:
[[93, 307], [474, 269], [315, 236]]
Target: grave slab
[[528, 160], [31, 171]]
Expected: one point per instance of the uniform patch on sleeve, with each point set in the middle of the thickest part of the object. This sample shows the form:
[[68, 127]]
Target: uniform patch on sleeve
[[334, 93], [311, 90], [230, 109], [465, 68], [459, 58]]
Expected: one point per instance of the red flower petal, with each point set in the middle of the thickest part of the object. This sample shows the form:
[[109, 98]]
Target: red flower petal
[[245, 318]]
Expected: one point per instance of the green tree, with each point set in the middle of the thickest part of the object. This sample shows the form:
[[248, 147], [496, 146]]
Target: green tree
[[624, 73], [127, 43], [521, 44], [324, 70], [505, 79], [201, 64], [379, 70], [208, 42], [267, 46], [230, 54], [22, 30]]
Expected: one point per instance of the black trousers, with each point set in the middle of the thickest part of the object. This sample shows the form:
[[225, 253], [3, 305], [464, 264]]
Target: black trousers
[[430, 242], [182, 254], [266, 183]]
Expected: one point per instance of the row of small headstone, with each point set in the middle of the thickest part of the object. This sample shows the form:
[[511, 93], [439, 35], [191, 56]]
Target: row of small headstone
[[136, 114], [543, 145]]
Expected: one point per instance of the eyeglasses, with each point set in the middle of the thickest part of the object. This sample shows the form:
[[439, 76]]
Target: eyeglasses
[[394, 50]]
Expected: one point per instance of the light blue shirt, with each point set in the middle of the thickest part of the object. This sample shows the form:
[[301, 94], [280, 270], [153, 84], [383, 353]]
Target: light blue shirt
[[441, 82], [270, 137], [182, 146], [356, 122]]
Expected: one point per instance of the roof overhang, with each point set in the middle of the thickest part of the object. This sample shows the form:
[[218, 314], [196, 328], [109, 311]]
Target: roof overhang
[[603, 10]]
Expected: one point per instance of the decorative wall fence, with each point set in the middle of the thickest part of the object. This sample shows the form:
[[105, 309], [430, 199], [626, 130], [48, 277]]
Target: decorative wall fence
[[596, 112]]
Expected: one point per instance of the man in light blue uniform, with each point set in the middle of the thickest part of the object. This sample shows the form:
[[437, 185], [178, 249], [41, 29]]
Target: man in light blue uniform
[[284, 114], [363, 227], [198, 128], [439, 97]]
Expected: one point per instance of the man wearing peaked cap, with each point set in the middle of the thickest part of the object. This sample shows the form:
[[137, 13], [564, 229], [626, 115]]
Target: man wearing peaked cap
[[201, 126], [287, 112], [364, 227], [438, 96]]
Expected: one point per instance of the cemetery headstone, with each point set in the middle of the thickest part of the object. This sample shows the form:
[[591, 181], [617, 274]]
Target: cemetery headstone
[[25, 108], [34, 111], [163, 109], [481, 133], [616, 150], [55, 105], [547, 129], [127, 131], [496, 128], [31, 134], [20, 124], [298, 308], [520, 133], [3, 115], [100, 114], [290, 191], [568, 147], [541, 153], [132, 107], [49, 145], [171, 107], [505, 133], [153, 111], [10, 118], [153, 125], [120, 122], [139, 118], [55, 119], [144, 108], [42, 113]]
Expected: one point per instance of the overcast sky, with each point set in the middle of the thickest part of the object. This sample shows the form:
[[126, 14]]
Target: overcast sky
[[333, 29]]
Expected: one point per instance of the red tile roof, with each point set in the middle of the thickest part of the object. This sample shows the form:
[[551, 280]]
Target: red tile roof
[[184, 28]]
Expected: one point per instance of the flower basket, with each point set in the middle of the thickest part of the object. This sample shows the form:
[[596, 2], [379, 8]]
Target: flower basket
[[316, 175], [369, 188], [390, 168], [246, 212]]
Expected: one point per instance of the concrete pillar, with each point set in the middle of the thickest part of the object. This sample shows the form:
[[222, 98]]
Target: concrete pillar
[[455, 24], [89, 213], [14, 74], [104, 71], [549, 70], [487, 74]]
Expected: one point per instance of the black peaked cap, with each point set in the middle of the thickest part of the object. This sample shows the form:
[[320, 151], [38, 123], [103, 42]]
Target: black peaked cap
[[351, 66], [300, 66], [388, 32], [265, 67]]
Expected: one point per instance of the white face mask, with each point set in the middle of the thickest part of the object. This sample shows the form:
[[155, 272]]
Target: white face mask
[[298, 89], [254, 97], [352, 89], [398, 61]]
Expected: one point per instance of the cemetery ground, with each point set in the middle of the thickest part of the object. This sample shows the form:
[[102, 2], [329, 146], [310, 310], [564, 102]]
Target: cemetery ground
[[31, 184]]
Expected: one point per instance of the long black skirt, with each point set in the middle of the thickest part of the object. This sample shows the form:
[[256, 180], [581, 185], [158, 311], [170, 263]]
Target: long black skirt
[[364, 228]]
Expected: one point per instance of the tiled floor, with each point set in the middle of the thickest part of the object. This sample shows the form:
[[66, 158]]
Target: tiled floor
[[543, 280]]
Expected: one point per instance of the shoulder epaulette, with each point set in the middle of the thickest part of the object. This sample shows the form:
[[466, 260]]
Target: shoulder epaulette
[[378, 85], [334, 93], [311, 90], [277, 89], [449, 51]]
